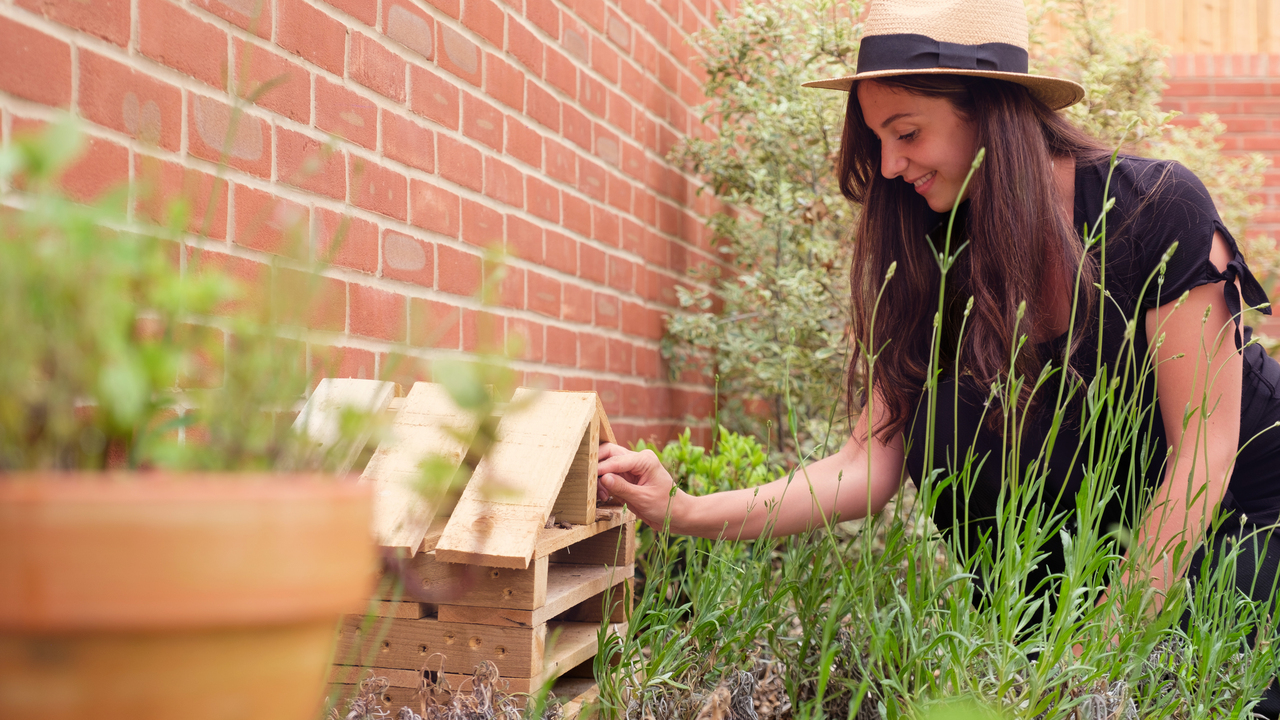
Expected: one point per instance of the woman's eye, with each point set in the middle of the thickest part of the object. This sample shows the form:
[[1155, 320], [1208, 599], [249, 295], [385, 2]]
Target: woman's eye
[[909, 136]]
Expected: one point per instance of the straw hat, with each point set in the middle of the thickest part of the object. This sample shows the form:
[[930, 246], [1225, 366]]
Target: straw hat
[[986, 38]]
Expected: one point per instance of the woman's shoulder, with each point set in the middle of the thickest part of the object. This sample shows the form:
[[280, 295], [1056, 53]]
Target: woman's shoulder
[[1147, 185]]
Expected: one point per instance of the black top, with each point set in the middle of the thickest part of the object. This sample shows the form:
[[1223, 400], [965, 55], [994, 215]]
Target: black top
[[1157, 203]]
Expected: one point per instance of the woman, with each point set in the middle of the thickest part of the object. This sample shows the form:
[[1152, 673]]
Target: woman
[[936, 81]]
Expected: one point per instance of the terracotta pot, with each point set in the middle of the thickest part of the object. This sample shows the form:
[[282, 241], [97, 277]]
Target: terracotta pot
[[189, 596]]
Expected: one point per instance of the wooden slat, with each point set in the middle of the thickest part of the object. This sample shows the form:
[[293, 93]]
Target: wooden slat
[[458, 584], [321, 418], [400, 609], [569, 645], [576, 502], [429, 423], [552, 539], [393, 698], [614, 605], [612, 547], [409, 644], [567, 586], [498, 519], [606, 430]]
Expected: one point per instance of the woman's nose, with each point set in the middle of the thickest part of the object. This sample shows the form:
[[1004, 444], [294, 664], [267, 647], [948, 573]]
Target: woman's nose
[[892, 164]]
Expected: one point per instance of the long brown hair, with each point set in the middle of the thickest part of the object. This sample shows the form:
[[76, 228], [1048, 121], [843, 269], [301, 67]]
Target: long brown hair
[[1020, 246]]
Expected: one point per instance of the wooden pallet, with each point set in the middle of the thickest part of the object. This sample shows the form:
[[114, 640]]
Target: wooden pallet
[[524, 572]]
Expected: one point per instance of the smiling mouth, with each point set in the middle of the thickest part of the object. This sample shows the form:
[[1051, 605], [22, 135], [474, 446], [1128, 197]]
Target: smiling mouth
[[924, 179]]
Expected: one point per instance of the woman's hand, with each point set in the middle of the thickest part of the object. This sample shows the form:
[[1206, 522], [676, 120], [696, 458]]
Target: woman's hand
[[639, 480]]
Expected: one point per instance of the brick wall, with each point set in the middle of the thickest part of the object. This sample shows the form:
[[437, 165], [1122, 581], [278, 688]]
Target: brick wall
[[1244, 91], [437, 129]]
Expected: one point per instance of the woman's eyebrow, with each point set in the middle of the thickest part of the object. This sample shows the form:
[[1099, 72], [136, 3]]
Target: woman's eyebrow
[[890, 120]]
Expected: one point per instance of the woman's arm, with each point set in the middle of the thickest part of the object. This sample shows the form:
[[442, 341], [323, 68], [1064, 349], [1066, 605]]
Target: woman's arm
[[1199, 385], [858, 480]]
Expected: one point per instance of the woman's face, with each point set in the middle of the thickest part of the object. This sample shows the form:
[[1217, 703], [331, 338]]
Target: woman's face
[[923, 141]]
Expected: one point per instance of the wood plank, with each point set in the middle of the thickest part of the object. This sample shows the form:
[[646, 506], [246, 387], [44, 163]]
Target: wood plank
[[499, 516], [552, 539], [583, 705], [428, 424], [612, 547], [450, 647], [614, 604], [400, 609], [393, 698], [352, 675], [576, 502], [574, 644], [606, 430], [321, 419], [457, 584], [567, 586]]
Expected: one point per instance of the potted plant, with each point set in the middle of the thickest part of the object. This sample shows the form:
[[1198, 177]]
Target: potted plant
[[167, 546]]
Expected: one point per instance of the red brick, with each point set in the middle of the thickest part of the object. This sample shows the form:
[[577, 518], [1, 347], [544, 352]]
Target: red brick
[[577, 128], [576, 304], [170, 34], [592, 96], [408, 258], [481, 225], [649, 365], [503, 182], [343, 362], [524, 46], [593, 351], [481, 331], [410, 26], [641, 321], [254, 15], [1181, 88], [251, 278], [574, 40], [482, 121], [311, 164], [523, 143], [375, 67], [211, 124], [272, 82], [433, 208], [118, 97], [562, 72], [511, 288], [561, 253], [269, 223], [486, 19], [591, 179], [524, 339], [1252, 107], [378, 189], [165, 188], [604, 226], [504, 82], [542, 106], [593, 265], [604, 59], [377, 313], [591, 11], [449, 7], [346, 241], [620, 192], [459, 55], [578, 384], [362, 10], [577, 214], [607, 310], [434, 98], [434, 324], [459, 271], [1255, 143], [544, 294], [346, 114], [408, 142], [107, 19], [460, 163], [323, 300], [545, 15], [635, 400], [561, 347], [312, 34], [562, 163], [543, 199], [1240, 89], [524, 239], [33, 65]]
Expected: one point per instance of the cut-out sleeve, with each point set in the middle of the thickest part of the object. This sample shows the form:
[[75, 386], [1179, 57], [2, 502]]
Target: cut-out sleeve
[[1178, 208]]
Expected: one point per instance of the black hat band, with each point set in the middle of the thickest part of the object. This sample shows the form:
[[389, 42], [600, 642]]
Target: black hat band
[[906, 51]]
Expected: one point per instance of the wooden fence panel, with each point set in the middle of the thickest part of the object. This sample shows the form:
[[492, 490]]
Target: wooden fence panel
[[1201, 26]]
